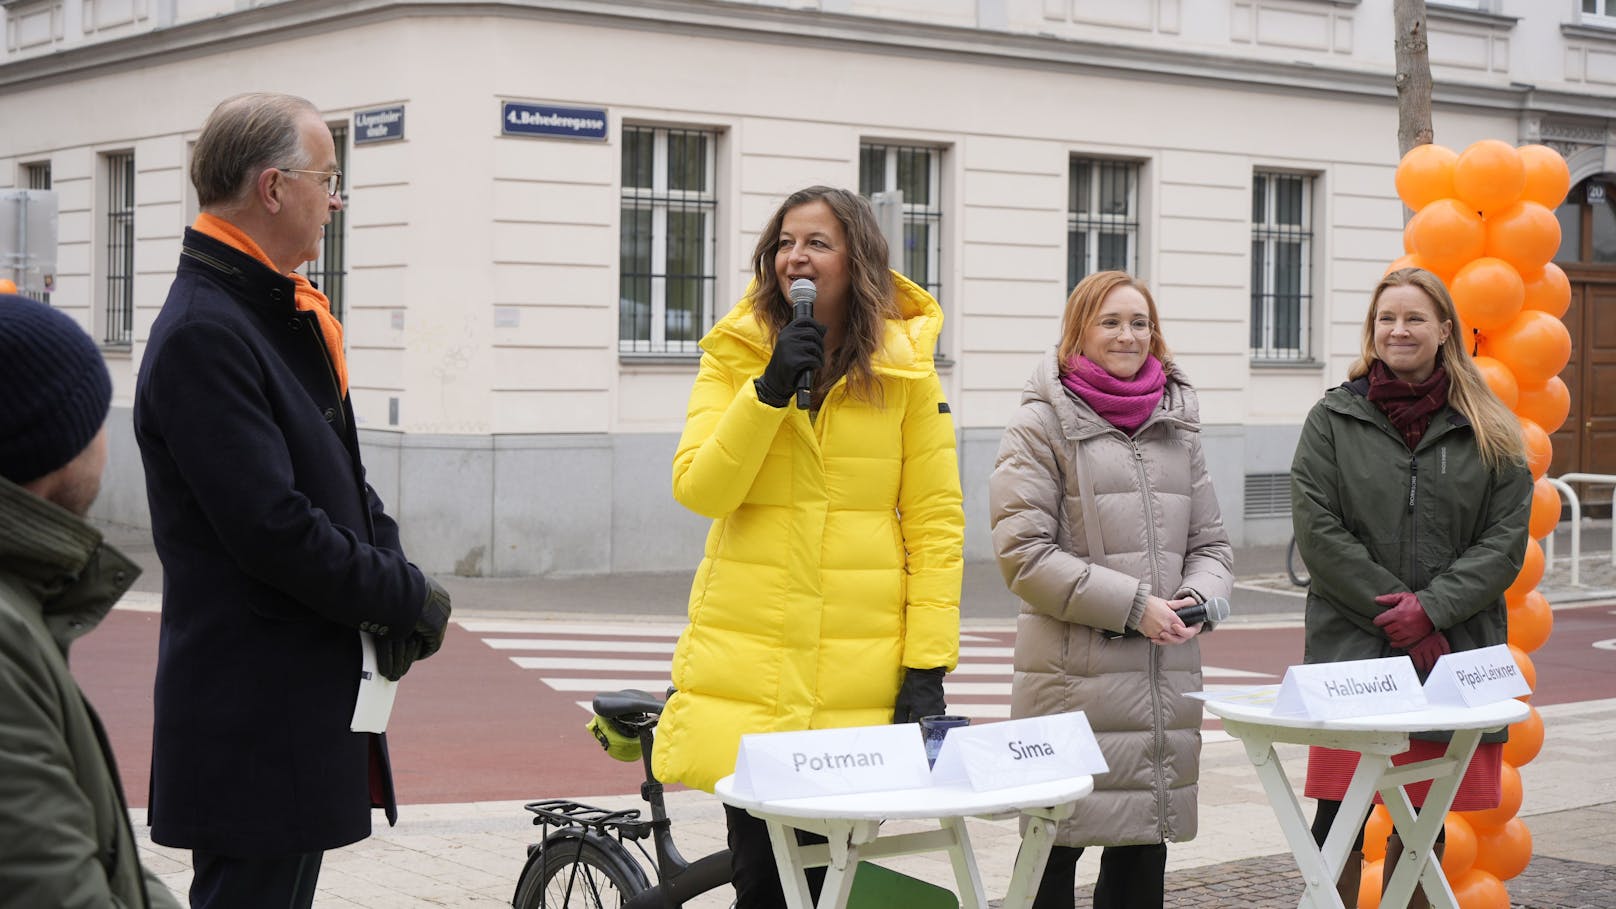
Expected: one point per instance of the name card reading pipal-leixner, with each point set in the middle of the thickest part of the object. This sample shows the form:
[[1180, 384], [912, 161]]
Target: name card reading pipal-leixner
[[1475, 677], [1332, 691], [1019, 752], [788, 765]]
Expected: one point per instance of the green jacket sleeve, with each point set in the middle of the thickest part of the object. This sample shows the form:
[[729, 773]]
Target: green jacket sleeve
[[1486, 568], [1338, 562]]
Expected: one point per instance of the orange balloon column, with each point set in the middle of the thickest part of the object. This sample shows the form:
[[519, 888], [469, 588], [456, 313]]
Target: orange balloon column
[[1484, 223]]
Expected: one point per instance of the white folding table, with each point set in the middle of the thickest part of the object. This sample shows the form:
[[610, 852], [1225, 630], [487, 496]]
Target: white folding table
[[852, 824], [1376, 739]]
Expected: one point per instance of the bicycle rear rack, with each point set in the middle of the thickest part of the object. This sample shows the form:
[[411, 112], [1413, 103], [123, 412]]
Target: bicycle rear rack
[[624, 824]]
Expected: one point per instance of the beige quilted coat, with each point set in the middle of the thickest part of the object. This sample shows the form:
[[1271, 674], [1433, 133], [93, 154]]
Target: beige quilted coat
[[1086, 520]]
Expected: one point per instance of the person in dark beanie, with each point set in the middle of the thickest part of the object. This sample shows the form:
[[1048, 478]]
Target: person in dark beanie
[[65, 838], [282, 572]]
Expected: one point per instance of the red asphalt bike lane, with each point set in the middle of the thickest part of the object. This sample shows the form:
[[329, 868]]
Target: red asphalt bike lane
[[469, 725]]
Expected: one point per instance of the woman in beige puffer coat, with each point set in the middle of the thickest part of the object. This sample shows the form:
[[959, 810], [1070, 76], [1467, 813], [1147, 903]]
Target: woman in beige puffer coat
[[1102, 509]]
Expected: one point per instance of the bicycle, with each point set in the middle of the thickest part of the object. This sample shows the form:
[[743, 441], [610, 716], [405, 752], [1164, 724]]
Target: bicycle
[[583, 860]]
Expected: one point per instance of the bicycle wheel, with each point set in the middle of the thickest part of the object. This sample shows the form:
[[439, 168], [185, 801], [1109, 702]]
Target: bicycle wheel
[[579, 872], [1295, 568]]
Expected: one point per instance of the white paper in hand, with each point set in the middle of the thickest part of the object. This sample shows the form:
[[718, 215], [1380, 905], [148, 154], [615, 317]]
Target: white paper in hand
[[375, 702]]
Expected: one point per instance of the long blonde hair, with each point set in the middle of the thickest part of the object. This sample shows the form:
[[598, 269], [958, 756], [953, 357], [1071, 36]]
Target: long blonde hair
[[873, 297], [1084, 302], [1498, 432]]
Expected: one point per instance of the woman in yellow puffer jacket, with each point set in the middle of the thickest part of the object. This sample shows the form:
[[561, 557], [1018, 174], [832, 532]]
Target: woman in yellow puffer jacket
[[828, 592]]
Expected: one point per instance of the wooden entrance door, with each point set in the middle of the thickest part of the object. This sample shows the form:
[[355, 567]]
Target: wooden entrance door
[[1587, 442]]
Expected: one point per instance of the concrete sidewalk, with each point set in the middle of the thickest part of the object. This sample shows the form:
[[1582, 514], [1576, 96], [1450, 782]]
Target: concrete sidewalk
[[470, 855]]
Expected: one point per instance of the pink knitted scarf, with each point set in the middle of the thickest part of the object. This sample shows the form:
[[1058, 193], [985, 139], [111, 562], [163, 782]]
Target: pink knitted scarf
[[1125, 403]]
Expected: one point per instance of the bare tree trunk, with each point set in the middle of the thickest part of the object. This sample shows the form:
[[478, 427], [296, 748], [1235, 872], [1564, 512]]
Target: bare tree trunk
[[1413, 76]]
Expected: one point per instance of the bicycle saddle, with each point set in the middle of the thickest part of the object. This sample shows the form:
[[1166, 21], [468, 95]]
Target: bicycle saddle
[[629, 701]]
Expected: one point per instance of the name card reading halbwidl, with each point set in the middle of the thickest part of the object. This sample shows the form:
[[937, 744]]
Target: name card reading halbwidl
[[1331, 691], [789, 765], [1475, 677], [1018, 752]]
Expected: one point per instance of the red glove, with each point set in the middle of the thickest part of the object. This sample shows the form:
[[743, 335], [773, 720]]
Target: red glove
[[1425, 652], [1405, 623]]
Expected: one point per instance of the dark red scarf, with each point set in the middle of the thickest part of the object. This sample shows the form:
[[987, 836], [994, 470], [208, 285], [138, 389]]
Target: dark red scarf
[[1408, 405]]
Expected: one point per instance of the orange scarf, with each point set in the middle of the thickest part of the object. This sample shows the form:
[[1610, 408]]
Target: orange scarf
[[306, 297]]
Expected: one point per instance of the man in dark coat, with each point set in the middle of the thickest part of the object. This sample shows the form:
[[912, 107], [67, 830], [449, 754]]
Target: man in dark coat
[[65, 838], [281, 571]]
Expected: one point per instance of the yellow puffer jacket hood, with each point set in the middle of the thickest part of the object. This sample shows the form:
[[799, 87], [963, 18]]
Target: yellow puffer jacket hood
[[834, 559]]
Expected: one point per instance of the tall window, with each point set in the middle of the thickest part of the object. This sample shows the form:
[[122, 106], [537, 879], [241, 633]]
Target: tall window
[[331, 267], [38, 176], [916, 172], [1599, 12], [1281, 265], [1102, 218], [669, 240], [119, 314]]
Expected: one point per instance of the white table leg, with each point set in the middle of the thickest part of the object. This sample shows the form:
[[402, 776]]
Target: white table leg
[[1030, 862], [1319, 883], [788, 859], [1419, 831], [966, 876]]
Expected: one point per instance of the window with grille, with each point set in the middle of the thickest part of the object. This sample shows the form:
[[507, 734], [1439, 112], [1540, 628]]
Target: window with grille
[[1281, 265], [668, 239], [329, 270], [916, 173], [1599, 12], [1102, 218], [38, 176], [118, 315]]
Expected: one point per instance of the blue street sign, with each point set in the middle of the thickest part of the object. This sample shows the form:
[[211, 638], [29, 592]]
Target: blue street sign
[[519, 119], [380, 124]]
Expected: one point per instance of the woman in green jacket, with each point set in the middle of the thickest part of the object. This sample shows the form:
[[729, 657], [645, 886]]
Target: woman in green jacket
[[1409, 499]]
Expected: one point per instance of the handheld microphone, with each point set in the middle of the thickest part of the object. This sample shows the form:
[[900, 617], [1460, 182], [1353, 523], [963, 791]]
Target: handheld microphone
[[802, 293], [1215, 609]]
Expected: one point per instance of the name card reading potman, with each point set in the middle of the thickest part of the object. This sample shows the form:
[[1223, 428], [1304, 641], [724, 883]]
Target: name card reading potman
[[1332, 691], [1018, 752], [1475, 677], [790, 765]]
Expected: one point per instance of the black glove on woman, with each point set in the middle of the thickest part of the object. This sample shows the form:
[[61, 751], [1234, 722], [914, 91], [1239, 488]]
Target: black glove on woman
[[801, 346], [921, 694]]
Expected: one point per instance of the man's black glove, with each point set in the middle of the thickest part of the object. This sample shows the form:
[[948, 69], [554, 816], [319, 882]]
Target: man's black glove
[[801, 346], [394, 656], [921, 694]]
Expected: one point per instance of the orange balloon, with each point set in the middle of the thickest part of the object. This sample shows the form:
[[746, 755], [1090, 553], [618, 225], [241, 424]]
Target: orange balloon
[[1524, 663], [1545, 509], [1547, 405], [1526, 235], [8, 286], [1425, 175], [1408, 237], [1476, 889], [1500, 379], [1488, 293], [1530, 623], [1460, 852], [1370, 883], [1534, 345], [1447, 234], [1506, 851], [1409, 261], [1547, 176], [1539, 451], [1531, 571], [1509, 804], [1525, 740], [1489, 175], [1375, 831], [1548, 290]]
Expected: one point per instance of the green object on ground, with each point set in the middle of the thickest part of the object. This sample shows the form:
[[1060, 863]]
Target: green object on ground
[[875, 887]]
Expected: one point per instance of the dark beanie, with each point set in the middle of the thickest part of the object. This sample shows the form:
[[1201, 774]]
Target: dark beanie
[[54, 389]]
